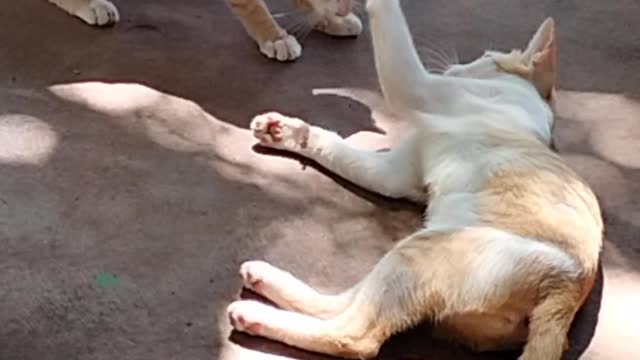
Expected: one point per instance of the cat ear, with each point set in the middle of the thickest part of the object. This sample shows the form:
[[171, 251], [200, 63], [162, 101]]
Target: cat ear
[[541, 54]]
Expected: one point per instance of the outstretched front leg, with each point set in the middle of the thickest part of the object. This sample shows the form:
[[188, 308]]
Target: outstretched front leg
[[395, 173]]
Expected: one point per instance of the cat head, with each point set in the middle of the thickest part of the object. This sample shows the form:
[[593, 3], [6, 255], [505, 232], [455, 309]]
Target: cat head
[[332, 7], [537, 63]]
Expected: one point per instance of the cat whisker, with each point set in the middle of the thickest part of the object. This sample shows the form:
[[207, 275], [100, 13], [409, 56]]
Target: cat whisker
[[453, 54], [304, 33], [436, 56], [298, 26], [281, 15]]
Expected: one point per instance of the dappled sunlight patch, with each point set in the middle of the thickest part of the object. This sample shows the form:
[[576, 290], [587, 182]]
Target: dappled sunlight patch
[[169, 121], [617, 333], [110, 99], [609, 122], [26, 140]]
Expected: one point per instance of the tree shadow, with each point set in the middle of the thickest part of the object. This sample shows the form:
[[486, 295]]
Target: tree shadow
[[90, 209]]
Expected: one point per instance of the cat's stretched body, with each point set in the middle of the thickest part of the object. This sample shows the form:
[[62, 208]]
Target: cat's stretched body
[[334, 17], [510, 247]]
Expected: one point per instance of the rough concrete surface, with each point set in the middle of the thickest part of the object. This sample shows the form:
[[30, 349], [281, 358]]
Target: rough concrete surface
[[130, 191]]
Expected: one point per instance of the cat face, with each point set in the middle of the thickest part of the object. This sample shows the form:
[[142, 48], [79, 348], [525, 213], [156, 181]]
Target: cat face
[[536, 64], [332, 7]]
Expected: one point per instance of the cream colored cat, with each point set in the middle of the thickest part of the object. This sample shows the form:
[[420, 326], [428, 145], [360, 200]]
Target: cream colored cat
[[333, 17], [510, 245]]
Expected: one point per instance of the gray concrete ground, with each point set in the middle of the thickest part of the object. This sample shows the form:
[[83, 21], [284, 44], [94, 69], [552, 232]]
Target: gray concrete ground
[[130, 191]]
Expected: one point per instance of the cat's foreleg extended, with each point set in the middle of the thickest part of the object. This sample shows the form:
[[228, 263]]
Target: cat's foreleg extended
[[395, 173]]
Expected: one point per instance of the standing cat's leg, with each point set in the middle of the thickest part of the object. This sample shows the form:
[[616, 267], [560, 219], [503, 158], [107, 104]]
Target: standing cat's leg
[[344, 26], [289, 293], [274, 42], [395, 173], [336, 20], [93, 12]]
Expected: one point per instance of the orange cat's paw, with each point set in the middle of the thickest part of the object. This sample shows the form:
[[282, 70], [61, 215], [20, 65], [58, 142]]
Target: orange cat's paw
[[286, 48], [247, 316], [280, 131], [349, 25]]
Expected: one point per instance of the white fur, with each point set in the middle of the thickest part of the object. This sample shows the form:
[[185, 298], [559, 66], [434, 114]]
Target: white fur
[[470, 123], [503, 258], [93, 12]]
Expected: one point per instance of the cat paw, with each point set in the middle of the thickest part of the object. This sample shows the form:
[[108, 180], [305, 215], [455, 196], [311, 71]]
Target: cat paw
[[261, 277], [247, 316], [99, 13], [349, 25], [286, 48], [279, 131], [252, 273]]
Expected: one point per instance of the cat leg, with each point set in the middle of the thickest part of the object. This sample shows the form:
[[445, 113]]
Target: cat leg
[[289, 293], [93, 12], [395, 173], [338, 21], [550, 322], [384, 304], [405, 82], [274, 42]]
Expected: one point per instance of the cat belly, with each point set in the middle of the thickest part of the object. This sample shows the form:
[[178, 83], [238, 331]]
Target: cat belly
[[484, 331]]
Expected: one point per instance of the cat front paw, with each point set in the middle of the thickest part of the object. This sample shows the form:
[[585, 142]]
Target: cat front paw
[[98, 13], [342, 26], [285, 48], [279, 131]]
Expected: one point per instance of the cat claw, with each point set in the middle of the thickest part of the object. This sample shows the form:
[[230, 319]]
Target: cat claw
[[285, 49]]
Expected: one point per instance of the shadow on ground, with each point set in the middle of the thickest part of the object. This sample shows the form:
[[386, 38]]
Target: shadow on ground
[[125, 210]]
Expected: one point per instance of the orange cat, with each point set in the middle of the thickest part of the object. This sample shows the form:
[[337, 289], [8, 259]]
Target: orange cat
[[333, 17]]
